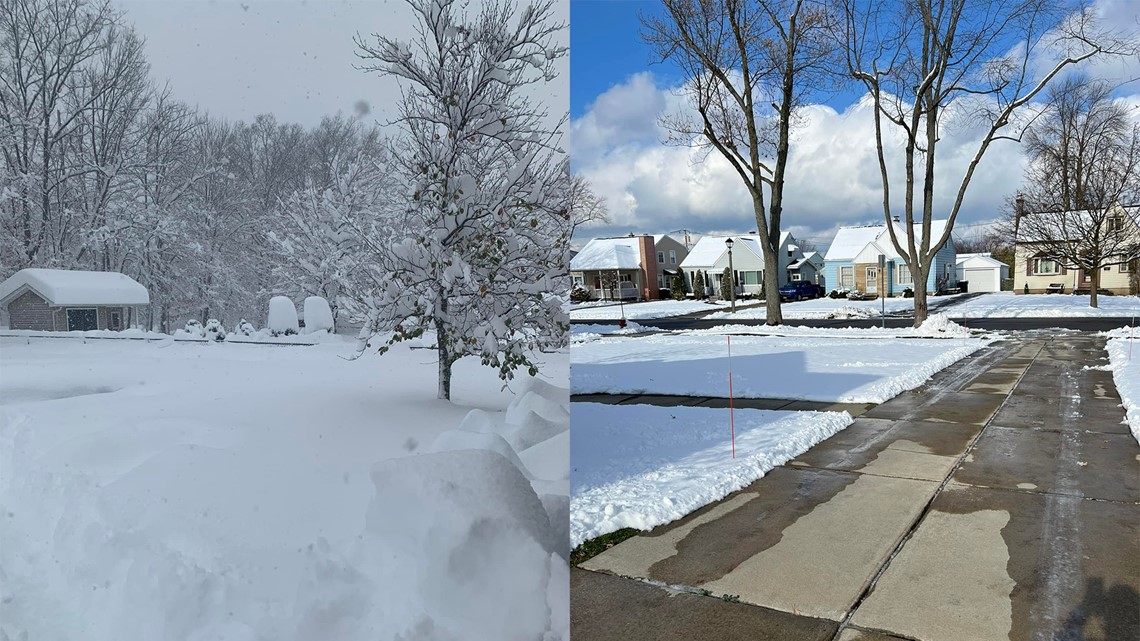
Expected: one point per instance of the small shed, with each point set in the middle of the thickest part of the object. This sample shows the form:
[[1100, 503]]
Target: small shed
[[70, 300], [983, 272]]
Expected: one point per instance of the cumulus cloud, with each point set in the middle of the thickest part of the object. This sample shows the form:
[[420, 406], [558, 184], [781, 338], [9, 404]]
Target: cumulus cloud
[[833, 176]]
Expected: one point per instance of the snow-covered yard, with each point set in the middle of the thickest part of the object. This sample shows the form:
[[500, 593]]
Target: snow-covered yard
[[640, 466], [820, 308], [818, 368], [650, 309], [1124, 361], [1010, 305], [169, 490]]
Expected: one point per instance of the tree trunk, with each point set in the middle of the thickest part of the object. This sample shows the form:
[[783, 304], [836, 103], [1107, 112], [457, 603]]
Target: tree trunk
[[442, 349], [1094, 282], [920, 306], [772, 308]]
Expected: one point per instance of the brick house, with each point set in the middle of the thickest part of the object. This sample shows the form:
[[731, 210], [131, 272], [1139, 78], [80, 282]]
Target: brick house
[[641, 265]]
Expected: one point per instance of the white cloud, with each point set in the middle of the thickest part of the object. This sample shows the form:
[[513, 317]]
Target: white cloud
[[833, 176]]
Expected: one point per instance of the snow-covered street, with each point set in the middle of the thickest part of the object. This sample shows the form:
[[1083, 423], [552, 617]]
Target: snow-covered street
[[163, 490]]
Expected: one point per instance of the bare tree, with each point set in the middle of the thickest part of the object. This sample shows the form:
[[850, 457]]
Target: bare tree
[[747, 66], [586, 206], [924, 62], [1084, 165]]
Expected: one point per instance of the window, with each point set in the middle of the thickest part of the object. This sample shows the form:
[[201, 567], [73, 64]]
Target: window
[[1045, 266], [577, 278], [796, 276], [750, 278], [672, 257], [847, 276], [1115, 223], [902, 275], [660, 258], [660, 281], [116, 321], [1124, 268], [626, 278]]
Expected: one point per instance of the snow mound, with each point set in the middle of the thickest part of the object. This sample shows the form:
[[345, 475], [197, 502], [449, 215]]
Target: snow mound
[[482, 563], [282, 314], [848, 312], [318, 315], [940, 325], [1124, 361], [456, 440]]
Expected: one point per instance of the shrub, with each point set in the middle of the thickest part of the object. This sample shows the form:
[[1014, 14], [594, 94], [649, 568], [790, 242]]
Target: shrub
[[908, 293], [245, 328], [214, 330], [726, 284], [579, 293], [194, 328], [679, 285]]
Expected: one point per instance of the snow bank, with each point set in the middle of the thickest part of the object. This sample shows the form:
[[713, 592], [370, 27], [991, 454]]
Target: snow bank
[[641, 466], [1124, 361], [936, 326], [261, 505], [282, 314], [651, 309], [1011, 305], [580, 333], [318, 315]]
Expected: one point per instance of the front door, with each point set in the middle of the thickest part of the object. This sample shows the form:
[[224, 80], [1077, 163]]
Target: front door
[[115, 320], [872, 280], [82, 320]]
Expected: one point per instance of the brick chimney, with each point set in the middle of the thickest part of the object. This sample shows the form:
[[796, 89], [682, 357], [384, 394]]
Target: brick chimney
[[648, 267]]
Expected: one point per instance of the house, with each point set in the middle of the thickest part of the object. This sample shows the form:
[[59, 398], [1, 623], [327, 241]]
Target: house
[[70, 300], [852, 260], [641, 265], [1036, 270], [981, 272], [710, 255]]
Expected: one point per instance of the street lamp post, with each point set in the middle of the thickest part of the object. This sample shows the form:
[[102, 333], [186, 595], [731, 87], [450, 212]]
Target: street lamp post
[[621, 299], [731, 274]]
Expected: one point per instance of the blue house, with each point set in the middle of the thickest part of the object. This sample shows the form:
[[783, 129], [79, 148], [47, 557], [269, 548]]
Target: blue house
[[852, 260]]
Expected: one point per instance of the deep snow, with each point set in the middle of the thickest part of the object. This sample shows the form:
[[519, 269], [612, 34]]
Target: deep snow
[[640, 465], [170, 490]]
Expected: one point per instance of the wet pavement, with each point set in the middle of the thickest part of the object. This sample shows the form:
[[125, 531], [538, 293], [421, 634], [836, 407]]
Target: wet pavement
[[999, 501]]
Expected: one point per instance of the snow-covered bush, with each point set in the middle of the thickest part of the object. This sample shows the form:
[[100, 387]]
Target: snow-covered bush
[[282, 316], [245, 328], [579, 293], [214, 330], [194, 328], [318, 315]]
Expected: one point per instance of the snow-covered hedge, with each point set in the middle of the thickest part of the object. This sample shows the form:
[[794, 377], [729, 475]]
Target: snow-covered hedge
[[318, 315], [282, 316]]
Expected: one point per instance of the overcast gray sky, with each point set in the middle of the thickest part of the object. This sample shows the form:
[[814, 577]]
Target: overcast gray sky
[[241, 58]]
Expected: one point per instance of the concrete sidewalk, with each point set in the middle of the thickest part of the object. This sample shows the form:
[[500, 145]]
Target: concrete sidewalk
[[999, 501]]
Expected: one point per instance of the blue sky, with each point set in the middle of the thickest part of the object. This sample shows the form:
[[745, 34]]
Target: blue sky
[[618, 91]]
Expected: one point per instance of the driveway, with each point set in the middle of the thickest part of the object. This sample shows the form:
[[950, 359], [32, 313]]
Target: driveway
[[1001, 501]]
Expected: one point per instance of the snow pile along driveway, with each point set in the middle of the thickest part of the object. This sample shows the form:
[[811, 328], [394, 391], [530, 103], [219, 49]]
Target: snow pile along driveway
[[870, 370], [1124, 361], [641, 466], [241, 492]]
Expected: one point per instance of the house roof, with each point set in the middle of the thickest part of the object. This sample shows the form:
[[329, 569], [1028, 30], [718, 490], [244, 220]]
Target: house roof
[[608, 253], [849, 242], [709, 249], [979, 260], [812, 257], [1072, 223], [74, 287]]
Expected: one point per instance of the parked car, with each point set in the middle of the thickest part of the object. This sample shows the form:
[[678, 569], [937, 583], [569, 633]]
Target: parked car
[[799, 290]]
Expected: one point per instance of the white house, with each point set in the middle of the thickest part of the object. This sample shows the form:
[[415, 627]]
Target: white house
[[710, 255], [70, 300], [643, 265], [983, 272]]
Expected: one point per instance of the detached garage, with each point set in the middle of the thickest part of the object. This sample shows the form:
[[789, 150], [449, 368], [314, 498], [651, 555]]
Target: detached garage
[[983, 272], [68, 300]]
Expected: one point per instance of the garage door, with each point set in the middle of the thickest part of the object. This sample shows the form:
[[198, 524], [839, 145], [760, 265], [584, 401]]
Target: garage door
[[981, 280]]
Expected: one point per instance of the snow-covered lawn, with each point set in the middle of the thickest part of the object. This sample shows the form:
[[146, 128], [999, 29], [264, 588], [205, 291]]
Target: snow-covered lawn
[[168, 490], [839, 369], [640, 466], [1124, 361], [650, 309], [820, 308], [1010, 305]]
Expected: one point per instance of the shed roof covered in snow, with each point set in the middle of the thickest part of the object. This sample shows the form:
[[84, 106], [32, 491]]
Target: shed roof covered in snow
[[73, 287], [608, 253]]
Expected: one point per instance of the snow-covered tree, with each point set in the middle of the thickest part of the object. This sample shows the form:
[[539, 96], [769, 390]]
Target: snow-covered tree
[[486, 216]]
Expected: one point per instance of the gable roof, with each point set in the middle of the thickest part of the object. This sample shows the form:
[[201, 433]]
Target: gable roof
[[1076, 223], [981, 260], [709, 249], [608, 253], [849, 242], [75, 287]]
